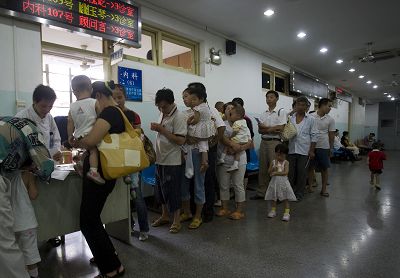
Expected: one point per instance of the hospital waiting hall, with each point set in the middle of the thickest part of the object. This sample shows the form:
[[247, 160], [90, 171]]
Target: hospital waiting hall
[[178, 138]]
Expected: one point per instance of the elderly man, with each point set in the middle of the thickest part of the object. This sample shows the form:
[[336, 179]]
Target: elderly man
[[20, 146], [301, 147]]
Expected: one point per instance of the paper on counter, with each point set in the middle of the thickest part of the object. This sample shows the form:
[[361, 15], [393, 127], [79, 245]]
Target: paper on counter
[[59, 175], [64, 167]]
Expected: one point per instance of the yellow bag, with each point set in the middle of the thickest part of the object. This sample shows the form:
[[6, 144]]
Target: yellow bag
[[122, 154]]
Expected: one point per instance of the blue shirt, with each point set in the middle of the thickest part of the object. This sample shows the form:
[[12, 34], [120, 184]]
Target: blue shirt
[[307, 132]]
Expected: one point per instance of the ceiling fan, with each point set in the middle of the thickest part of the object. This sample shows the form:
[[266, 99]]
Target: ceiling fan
[[395, 81], [374, 56]]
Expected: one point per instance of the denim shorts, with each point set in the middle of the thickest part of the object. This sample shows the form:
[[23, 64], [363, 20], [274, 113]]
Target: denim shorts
[[322, 160]]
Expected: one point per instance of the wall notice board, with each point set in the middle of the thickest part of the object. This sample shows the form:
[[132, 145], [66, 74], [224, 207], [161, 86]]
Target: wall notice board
[[112, 19]]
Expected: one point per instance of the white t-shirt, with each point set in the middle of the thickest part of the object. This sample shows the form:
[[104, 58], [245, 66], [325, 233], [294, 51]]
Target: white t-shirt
[[47, 126], [83, 113], [324, 125], [167, 152], [24, 214], [230, 158], [276, 117]]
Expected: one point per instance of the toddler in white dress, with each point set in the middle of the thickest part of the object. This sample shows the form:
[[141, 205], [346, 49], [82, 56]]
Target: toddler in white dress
[[279, 186]]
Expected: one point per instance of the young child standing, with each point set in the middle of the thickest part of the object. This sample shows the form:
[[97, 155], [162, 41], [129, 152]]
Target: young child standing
[[81, 118], [279, 187], [375, 163], [240, 135], [23, 190]]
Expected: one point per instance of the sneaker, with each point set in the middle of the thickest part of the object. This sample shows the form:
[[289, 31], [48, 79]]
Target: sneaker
[[371, 183], [377, 186], [286, 217], [272, 214], [234, 167], [220, 161], [143, 236], [94, 176]]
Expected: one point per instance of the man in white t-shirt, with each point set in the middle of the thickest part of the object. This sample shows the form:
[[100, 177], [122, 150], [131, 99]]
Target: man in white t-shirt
[[326, 137], [270, 125]]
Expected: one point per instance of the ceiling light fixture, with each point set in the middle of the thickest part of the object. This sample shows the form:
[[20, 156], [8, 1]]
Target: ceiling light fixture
[[385, 93], [392, 98], [352, 70], [301, 35], [269, 12], [375, 86], [389, 96], [369, 82], [339, 61], [323, 50], [361, 76]]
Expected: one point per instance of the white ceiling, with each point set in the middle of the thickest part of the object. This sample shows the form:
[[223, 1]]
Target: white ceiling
[[343, 26]]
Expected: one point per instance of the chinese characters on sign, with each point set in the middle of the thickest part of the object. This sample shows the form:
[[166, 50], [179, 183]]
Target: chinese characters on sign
[[131, 79], [112, 18]]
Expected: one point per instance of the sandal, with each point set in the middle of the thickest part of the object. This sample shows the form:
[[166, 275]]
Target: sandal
[[159, 222], [324, 194], [175, 228], [236, 215], [222, 212], [195, 223], [118, 274], [185, 217]]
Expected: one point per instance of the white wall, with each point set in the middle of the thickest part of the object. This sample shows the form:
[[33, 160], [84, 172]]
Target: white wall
[[357, 120], [20, 56], [372, 119], [239, 75], [341, 115]]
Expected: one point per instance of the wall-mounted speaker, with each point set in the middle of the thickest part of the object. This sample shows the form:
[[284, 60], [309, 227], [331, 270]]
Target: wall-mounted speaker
[[230, 47]]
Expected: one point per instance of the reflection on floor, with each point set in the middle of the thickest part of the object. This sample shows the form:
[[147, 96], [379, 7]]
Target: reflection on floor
[[353, 233]]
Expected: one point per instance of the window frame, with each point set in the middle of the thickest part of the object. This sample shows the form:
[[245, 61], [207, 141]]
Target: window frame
[[157, 36], [273, 74]]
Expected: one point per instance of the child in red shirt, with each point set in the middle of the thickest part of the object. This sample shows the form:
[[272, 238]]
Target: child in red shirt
[[375, 163]]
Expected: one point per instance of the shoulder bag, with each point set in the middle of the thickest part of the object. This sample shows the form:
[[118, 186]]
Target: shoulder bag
[[122, 154]]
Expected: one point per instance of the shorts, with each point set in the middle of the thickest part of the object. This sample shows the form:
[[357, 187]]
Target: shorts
[[376, 171], [322, 160], [27, 242], [168, 186]]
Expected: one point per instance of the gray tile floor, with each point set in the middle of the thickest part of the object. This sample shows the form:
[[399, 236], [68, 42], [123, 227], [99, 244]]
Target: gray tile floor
[[353, 233]]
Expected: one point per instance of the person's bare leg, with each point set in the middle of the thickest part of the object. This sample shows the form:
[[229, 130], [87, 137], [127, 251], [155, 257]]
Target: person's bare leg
[[186, 208], [199, 209], [324, 177], [177, 219]]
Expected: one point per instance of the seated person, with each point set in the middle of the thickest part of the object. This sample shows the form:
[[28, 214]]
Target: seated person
[[345, 141], [337, 146]]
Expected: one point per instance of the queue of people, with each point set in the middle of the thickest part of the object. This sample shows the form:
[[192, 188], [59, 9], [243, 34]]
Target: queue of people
[[202, 145]]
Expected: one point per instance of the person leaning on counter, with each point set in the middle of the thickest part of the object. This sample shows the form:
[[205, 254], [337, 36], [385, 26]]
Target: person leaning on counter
[[43, 99]]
